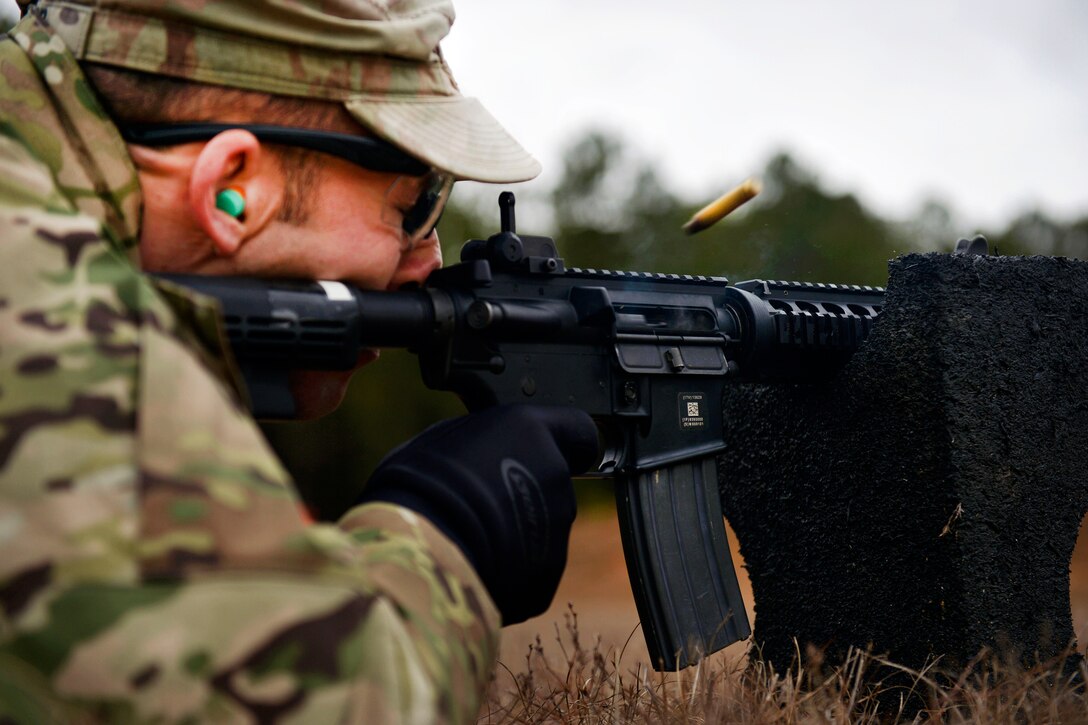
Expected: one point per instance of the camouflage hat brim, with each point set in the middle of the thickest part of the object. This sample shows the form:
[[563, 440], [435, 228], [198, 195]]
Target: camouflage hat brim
[[452, 133], [408, 97]]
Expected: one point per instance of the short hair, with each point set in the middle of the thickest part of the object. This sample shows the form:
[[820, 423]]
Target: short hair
[[136, 97]]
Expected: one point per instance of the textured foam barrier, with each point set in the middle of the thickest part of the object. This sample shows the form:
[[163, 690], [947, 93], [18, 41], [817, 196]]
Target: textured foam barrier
[[927, 501]]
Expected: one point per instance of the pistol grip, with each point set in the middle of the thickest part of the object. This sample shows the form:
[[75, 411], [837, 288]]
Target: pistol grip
[[678, 560]]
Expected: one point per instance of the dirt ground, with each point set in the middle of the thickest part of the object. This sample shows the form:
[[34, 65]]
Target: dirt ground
[[596, 585]]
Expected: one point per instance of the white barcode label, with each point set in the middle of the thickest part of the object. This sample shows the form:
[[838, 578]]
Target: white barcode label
[[692, 413]]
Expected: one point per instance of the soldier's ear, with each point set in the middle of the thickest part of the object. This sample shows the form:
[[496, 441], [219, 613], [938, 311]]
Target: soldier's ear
[[234, 160]]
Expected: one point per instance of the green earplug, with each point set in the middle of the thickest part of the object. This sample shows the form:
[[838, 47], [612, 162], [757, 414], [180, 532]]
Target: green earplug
[[231, 200]]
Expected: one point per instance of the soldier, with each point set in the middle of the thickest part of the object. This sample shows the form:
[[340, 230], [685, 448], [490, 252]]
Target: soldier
[[154, 564]]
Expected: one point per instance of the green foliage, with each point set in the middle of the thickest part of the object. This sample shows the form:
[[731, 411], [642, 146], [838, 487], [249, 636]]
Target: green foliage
[[796, 230], [610, 210], [466, 219], [1036, 233]]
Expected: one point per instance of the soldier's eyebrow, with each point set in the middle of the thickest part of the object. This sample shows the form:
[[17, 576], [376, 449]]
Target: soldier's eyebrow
[[369, 153]]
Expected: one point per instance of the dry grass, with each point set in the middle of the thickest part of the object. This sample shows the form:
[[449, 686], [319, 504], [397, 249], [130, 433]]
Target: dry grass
[[584, 684]]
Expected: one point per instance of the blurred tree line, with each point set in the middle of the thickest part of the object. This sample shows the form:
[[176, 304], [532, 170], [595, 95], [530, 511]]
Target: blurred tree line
[[610, 210]]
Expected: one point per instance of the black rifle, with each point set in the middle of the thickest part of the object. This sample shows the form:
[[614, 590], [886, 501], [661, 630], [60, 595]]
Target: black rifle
[[647, 355]]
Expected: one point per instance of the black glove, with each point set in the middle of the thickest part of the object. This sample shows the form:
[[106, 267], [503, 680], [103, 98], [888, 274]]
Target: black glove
[[498, 484]]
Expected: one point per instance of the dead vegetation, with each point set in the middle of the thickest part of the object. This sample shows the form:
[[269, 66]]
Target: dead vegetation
[[576, 683]]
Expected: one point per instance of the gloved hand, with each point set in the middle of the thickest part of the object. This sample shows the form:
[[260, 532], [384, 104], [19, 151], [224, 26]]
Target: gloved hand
[[497, 483]]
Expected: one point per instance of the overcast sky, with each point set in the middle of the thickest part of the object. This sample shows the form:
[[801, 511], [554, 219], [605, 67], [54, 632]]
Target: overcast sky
[[982, 105]]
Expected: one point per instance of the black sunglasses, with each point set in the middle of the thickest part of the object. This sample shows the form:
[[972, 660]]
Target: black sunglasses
[[419, 214]]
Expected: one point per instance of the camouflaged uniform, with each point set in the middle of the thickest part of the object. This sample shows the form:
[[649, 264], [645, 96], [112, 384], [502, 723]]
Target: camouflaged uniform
[[153, 562]]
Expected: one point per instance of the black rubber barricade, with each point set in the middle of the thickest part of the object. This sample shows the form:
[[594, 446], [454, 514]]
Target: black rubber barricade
[[927, 501]]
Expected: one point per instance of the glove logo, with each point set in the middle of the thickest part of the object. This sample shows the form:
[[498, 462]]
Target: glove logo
[[530, 513]]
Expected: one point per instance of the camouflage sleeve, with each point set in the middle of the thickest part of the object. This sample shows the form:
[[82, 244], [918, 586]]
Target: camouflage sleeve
[[153, 562], [393, 630]]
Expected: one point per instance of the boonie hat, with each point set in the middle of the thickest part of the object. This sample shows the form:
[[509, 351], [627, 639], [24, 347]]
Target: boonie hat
[[380, 59]]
